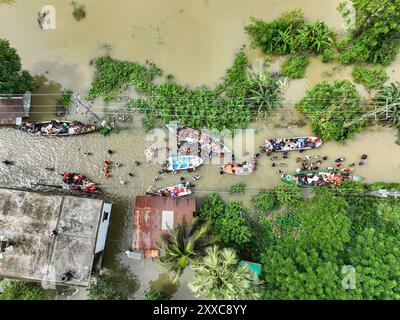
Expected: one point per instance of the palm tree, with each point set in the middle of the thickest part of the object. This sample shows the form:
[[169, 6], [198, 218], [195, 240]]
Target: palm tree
[[218, 276], [184, 243], [264, 92]]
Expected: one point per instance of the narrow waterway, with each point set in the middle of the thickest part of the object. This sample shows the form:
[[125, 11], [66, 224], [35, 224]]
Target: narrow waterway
[[196, 41]]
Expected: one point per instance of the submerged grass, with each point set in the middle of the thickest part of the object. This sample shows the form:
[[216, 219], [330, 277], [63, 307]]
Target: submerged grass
[[228, 106]]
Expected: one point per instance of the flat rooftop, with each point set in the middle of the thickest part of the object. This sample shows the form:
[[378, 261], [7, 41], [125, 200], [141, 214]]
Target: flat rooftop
[[27, 219]]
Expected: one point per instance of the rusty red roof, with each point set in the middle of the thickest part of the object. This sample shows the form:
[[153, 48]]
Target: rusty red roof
[[148, 218]]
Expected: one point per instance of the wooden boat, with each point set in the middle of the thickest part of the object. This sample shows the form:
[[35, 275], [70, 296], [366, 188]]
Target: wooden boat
[[198, 139], [244, 168], [291, 144], [57, 128], [179, 190], [320, 178], [79, 182], [183, 163]]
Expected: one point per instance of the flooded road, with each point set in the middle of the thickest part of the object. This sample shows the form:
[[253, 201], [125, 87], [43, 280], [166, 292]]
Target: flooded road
[[195, 41]]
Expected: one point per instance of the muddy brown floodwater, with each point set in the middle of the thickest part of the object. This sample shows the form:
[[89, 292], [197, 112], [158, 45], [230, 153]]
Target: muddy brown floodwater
[[196, 41]]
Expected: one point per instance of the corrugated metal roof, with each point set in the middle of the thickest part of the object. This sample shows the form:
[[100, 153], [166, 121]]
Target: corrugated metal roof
[[147, 217]]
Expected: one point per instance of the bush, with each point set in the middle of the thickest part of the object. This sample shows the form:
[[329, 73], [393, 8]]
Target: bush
[[108, 287], [295, 66], [287, 222], [20, 290], [265, 201], [79, 12], [13, 80], [237, 189], [105, 131], [232, 227], [332, 107], [151, 294], [369, 76], [288, 194], [169, 101], [212, 208], [290, 34], [327, 56], [66, 99]]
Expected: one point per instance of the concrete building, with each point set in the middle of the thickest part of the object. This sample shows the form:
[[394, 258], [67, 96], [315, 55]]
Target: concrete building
[[14, 109], [152, 218], [51, 238]]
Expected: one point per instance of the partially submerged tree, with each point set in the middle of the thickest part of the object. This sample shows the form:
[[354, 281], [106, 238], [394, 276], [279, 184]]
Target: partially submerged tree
[[330, 106], [183, 244], [375, 37], [13, 80], [218, 276], [109, 287]]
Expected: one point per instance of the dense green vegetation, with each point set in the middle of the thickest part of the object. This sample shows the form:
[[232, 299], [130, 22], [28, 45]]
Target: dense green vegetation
[[290, 34], [228, 222], [309, 248], [109, 287], [371, 77], [21, 290], [232, 104], [288, 194], [13, 80], [218, 276], [390, 95], [375, 37], [265, 201], [156, 295], [330, 106], [333, 231], [295, 66]]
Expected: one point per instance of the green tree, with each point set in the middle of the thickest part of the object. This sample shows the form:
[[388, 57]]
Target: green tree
[[376, 34], [371, 77], [307, 265], [13, 80], [375, 256], [331, 107], [183, 244], [20, 290], [232, 227], [218, 276], [264, 92], [108, 287], [265, 201]]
